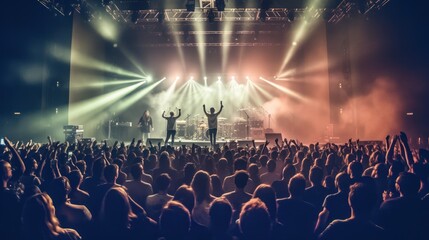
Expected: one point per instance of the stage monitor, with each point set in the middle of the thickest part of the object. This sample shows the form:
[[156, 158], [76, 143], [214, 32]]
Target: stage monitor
[[271, 137]]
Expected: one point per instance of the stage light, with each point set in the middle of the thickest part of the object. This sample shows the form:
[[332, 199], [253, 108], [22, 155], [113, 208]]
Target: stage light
[[219, 78], [205, 81], [115, 45], [294, 43], [247, 77], [233, 78], [149, 78], [177, 78]]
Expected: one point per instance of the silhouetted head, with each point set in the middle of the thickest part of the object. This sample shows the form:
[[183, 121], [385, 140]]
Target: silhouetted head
[[254, 221], [271, 166], [267, 195], [164, 160], [30, 165], [220, 215], [297, 185], [240, 179], [355, 169], [288, 171], [408, 184], [316, 176], [171, 114], [240, 164], [146, 113], [136, 171], [216, 185], [362, 199], [111, 173], [253, 170], [163, 182], [5, 171], [212, 110], [75, 177], [116, 210], [201, 184], [175, 221], [342, 181], [185, 195], [58, 190]]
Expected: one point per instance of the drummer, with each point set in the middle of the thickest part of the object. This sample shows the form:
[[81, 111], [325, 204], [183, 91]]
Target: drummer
[[212, 121], [171, 126]]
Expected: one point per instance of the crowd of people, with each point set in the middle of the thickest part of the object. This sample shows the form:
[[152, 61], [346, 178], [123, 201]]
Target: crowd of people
[[283, 190]]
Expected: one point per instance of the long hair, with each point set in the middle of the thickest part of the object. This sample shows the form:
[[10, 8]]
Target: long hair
[[38, 218], [268, 196], [116, 211], [201, 184]]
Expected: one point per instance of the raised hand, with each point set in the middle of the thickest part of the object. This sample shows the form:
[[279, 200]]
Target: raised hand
[[8, 142], [403, 137]]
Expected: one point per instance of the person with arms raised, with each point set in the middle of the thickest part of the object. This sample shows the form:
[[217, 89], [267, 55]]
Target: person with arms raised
[[212, 120]]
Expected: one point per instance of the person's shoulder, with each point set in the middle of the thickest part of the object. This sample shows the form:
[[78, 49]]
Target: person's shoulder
[[9, 194], [277, 183], [69, 234], [78, 209], [228, 194], [82, 192], [283, 201], [389, 203]]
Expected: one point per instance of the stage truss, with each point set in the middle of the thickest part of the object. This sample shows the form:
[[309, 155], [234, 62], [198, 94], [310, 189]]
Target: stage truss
[[140, 12]]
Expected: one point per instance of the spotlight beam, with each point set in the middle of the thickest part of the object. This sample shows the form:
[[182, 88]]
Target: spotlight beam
[[99, 103], [129, 101], [81, 60], [102, 84], [285, 90]]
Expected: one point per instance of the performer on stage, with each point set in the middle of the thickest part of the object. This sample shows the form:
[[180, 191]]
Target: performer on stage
[[212, 120], [171, 126], [145, 124]]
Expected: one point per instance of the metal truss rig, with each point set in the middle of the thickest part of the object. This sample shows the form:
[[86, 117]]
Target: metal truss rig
[[91, 9]]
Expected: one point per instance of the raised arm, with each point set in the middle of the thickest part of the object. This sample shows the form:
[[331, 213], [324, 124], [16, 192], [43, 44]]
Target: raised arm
[[180, 113], [221, 107], [408, 154], [16, 159], [389, 155], [204, 108], [163, 115]]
